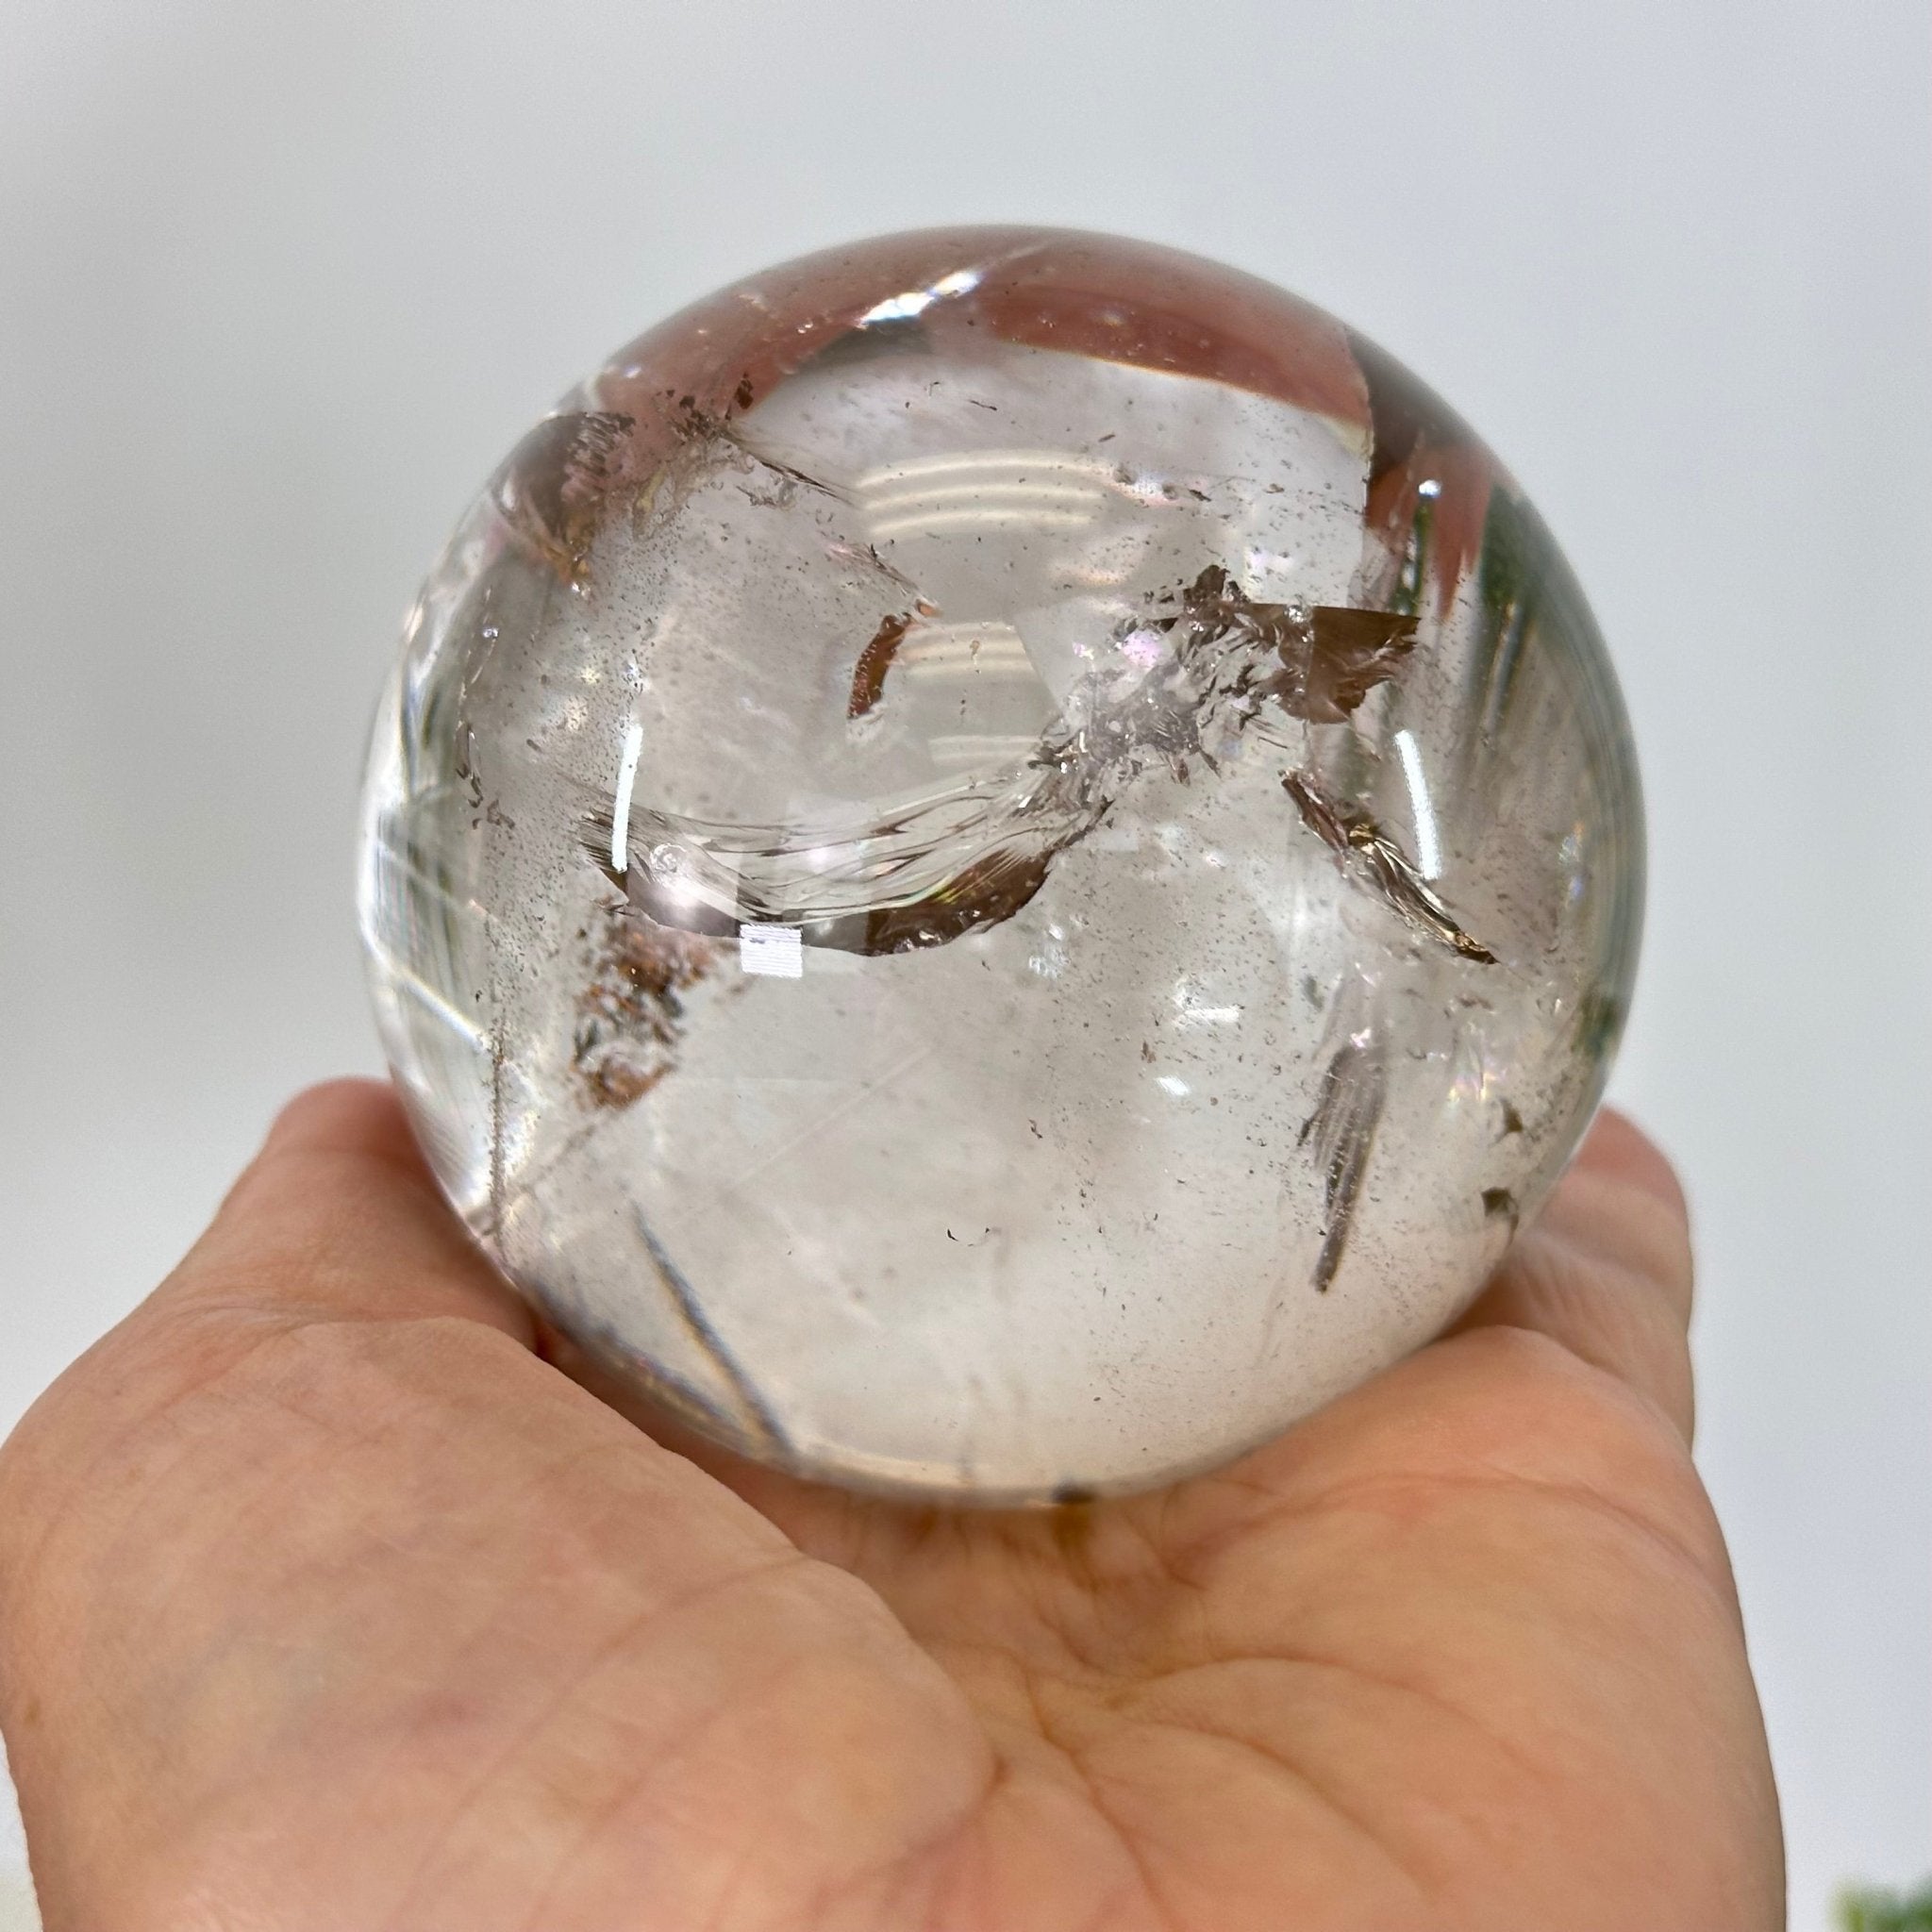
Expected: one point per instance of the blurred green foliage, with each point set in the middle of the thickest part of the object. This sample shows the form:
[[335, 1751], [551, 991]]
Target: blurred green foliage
[[1885, 1911]]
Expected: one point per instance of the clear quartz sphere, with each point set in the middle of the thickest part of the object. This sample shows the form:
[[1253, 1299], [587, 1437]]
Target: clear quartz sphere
[[997, 862]]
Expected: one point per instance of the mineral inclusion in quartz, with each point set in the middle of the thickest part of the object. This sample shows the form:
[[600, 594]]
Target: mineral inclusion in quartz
[[998, 860]]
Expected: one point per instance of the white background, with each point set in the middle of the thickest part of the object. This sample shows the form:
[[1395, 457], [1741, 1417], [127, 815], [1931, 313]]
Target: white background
[[279, 283]]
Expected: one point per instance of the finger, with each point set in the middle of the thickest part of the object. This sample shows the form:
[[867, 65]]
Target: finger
[[338, 1217], [1606, 1268]]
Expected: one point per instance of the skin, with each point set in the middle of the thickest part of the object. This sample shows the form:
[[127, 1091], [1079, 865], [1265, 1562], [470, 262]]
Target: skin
[[327, 1601]]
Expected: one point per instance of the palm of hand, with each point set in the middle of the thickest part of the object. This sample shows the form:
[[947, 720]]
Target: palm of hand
[[328, 1604]]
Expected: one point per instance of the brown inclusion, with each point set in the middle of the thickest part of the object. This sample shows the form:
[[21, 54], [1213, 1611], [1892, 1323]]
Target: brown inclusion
[[1366, 850], [869, 674]]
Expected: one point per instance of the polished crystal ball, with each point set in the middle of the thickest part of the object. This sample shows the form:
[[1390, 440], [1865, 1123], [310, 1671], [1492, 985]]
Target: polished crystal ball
[[998, 860]]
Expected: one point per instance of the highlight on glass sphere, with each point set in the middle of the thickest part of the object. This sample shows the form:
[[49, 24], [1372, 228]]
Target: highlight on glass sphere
[[999, 860]]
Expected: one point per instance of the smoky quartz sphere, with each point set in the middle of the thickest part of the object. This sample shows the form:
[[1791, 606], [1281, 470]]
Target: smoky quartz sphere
[[998, 860]]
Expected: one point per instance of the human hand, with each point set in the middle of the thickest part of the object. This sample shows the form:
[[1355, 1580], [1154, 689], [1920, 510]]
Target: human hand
[[329, 1604]]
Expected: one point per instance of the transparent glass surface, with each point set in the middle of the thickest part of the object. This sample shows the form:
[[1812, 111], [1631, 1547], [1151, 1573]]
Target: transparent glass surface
[[997, 862]]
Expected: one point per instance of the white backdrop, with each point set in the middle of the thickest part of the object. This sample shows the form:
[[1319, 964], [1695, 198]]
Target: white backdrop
[[281, 283]]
